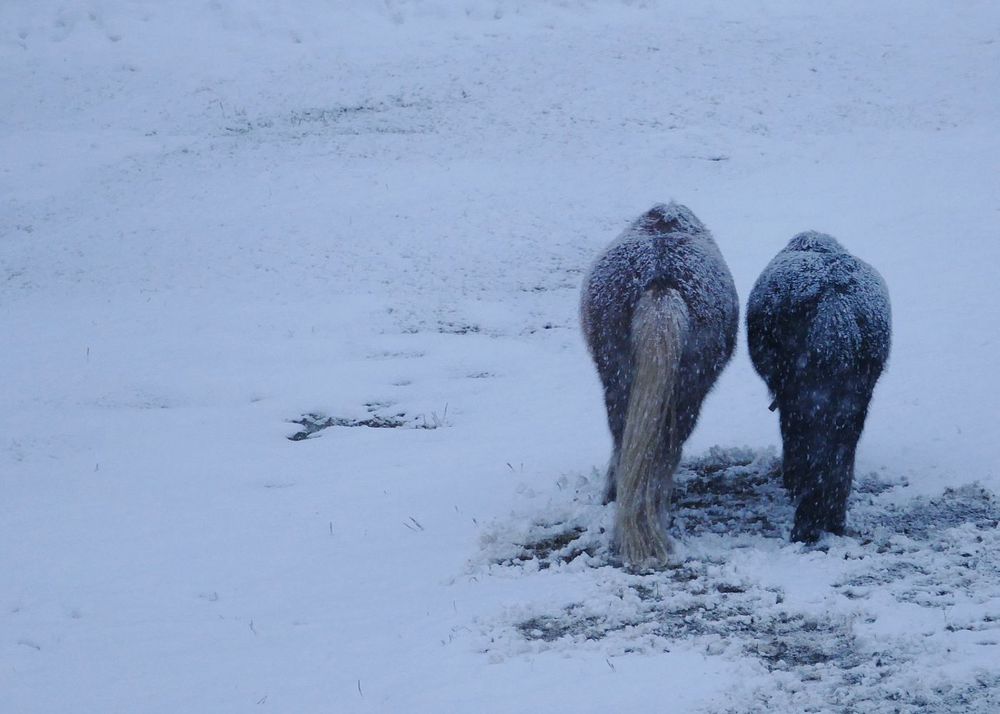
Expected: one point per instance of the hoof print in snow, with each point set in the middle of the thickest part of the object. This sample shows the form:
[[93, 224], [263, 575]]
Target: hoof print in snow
[[924, 518], [563, 545], [795, 640], [313, 423], [729, 493], [544, 327], [549, 629], [458, 328]]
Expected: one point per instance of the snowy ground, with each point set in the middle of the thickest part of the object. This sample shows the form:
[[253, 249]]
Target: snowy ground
[[224, 224]]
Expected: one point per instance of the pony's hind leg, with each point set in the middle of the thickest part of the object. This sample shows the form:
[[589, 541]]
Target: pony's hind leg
[[828, 470], [822, 504], [793, 450], [616, 394], [797, 418]]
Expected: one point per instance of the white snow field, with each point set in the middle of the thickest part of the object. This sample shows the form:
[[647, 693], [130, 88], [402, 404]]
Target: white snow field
[[218, 218]]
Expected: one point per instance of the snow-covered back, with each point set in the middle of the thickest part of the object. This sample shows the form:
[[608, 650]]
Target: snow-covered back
[[815, 281], [223, 224]]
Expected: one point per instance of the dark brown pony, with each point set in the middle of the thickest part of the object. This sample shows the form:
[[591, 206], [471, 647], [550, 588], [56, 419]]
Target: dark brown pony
[[818, 328]]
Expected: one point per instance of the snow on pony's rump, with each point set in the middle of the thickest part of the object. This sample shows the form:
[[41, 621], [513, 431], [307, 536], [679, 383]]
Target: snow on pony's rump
[[818, 329], [659, 314]]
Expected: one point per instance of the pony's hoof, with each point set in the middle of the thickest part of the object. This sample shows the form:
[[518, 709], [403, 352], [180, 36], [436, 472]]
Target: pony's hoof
[[646, 556], [806, 533]]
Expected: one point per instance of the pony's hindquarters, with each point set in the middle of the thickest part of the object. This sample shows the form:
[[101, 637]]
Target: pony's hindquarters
[[650, 448], [659, 312], [818, 331]]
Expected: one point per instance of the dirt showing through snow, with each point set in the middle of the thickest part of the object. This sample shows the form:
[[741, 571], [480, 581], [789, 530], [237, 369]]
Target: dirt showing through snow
[[845, 624]]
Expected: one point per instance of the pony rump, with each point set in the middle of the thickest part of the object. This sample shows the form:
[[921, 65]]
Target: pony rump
[[647, 461]]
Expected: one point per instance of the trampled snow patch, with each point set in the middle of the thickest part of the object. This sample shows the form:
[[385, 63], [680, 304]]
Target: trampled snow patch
[[914, 588]]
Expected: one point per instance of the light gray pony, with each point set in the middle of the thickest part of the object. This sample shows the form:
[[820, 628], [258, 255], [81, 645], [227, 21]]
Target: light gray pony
[[660, 314]]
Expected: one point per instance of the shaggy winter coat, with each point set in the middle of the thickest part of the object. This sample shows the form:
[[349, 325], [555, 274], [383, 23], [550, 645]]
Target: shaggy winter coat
[[660, 315], [818, 329]]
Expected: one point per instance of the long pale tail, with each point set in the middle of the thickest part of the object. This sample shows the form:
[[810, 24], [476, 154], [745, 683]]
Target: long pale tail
[[650, 450]]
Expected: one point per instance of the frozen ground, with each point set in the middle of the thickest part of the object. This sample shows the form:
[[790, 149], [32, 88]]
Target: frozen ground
[[224, 224]]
